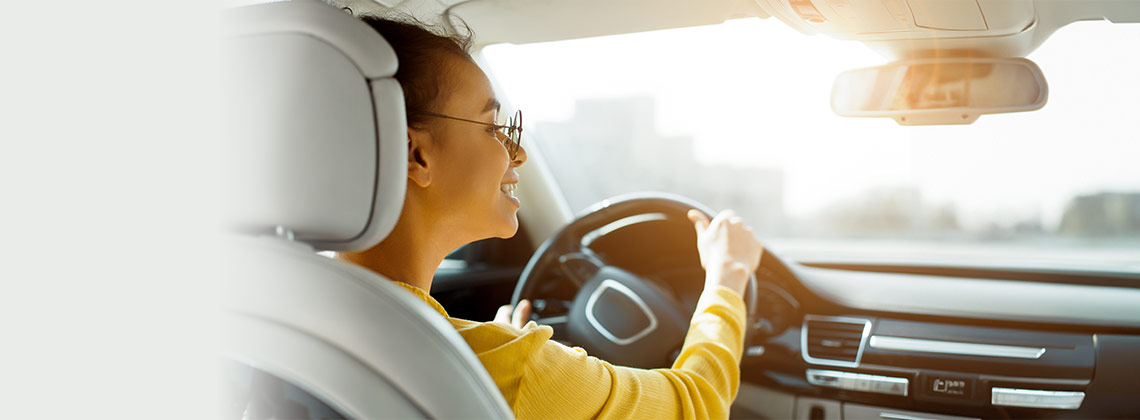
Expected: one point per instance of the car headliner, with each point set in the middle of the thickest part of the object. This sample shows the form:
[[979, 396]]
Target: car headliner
[[526, 21]]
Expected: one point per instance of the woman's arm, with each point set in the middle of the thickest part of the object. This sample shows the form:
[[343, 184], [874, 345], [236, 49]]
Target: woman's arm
[[550, 380], [543, 379]]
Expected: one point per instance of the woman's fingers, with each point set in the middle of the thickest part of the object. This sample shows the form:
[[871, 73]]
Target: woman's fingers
[[522, 314], [727, 247], [723, 217], [516, 317], [699, 219], [503, 314], [701, 225]]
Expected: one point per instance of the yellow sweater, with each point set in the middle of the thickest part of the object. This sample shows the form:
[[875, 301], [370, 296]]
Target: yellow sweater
[[543, 379]]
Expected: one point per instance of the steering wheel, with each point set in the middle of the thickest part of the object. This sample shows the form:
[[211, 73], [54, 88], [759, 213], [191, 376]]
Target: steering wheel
[[617, 315]]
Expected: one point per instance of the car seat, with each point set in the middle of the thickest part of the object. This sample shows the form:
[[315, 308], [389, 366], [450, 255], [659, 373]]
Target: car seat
[[314, 158]]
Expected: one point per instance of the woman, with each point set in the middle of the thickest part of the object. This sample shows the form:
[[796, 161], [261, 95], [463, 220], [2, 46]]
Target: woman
[[461, 177]]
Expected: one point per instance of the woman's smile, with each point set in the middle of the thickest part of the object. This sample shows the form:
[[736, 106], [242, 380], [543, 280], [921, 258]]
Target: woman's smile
[[508, 190]]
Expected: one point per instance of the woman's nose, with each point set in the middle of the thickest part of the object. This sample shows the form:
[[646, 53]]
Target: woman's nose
[[520, 158]]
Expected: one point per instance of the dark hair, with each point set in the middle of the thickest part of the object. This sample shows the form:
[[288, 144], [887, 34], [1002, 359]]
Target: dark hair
[[422, 51]]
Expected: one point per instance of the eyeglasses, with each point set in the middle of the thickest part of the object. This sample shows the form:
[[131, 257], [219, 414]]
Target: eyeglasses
[[511, 129]]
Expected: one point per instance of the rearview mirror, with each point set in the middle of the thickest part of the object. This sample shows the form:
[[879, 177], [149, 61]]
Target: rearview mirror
[[940, 90]]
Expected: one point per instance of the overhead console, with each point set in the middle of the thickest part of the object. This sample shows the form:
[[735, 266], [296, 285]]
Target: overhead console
[[891, 19], [952, 60], [926, 28]]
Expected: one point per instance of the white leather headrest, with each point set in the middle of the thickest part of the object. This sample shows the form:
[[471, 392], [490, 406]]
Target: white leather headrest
[[315, 133]]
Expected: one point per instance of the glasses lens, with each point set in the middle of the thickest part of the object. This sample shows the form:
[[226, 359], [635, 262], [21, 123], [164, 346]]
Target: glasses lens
[[514, 133], [501, 118]]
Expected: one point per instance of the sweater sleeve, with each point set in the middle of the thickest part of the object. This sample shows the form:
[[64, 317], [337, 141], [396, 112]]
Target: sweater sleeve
[[550, 380]]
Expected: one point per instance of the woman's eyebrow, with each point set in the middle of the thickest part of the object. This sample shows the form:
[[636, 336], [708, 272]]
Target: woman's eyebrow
[[492, 104]]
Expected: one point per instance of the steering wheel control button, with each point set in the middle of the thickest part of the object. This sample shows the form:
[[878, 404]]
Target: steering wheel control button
[[888, 385], [618, 313], [1033, 398], [579, 266]]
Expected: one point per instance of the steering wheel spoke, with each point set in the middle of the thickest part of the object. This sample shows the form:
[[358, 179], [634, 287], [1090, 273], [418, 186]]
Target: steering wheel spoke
[[580, 266], [558, 324]]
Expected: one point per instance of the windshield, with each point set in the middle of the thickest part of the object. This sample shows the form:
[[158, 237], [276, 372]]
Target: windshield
[[738, 116]]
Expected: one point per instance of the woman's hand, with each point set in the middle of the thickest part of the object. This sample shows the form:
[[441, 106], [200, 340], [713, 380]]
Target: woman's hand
[[728, 248], [518, 318]]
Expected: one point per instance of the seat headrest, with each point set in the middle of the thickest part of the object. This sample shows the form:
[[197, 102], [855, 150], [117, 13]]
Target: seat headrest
[[315, 130]]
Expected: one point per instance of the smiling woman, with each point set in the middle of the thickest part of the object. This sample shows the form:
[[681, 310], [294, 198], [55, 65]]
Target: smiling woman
[[461, 169], [459, 159]]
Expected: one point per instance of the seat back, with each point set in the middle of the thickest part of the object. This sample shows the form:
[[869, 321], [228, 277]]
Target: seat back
[[315, 158]]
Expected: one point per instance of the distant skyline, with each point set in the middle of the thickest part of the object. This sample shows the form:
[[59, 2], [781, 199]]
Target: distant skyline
[[755, 93], [616, 142]]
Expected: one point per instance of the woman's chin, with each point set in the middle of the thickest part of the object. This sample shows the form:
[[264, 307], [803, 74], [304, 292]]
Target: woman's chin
[[508, 228]]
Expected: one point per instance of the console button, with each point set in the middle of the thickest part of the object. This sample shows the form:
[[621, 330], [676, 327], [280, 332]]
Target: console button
[[943, 386], [858, 382], [1035, 398]]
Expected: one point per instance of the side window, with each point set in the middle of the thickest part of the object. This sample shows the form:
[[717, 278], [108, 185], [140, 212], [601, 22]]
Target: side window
[[251, 393]]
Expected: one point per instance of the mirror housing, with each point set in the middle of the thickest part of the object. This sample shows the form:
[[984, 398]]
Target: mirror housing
[[939, 91]]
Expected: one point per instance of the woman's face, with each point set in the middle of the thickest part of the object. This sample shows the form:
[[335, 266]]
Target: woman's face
[[473, 178]]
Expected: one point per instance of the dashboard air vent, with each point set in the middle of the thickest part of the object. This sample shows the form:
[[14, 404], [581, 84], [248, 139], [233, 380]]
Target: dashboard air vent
[[834, 341]]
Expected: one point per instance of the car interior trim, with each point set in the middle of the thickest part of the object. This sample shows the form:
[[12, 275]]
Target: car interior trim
[[621, 288], [452, 264], [880, 342], [755, 351], [1035, 398], [893, 416], [829, 362], [1013, 301], [858, 382], [1039, 272]]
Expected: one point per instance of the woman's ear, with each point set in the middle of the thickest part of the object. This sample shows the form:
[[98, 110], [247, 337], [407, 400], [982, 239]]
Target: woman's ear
[[418, 157]]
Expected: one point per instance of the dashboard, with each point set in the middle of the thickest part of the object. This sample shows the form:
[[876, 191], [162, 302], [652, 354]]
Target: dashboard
[[832, 341], [850, 343]]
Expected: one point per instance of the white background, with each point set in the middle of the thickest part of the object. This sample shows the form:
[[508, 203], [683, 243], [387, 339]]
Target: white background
[[106, 209]]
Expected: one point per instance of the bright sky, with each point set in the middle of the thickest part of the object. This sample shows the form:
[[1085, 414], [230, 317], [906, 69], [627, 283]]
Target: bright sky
[[756, 92]]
